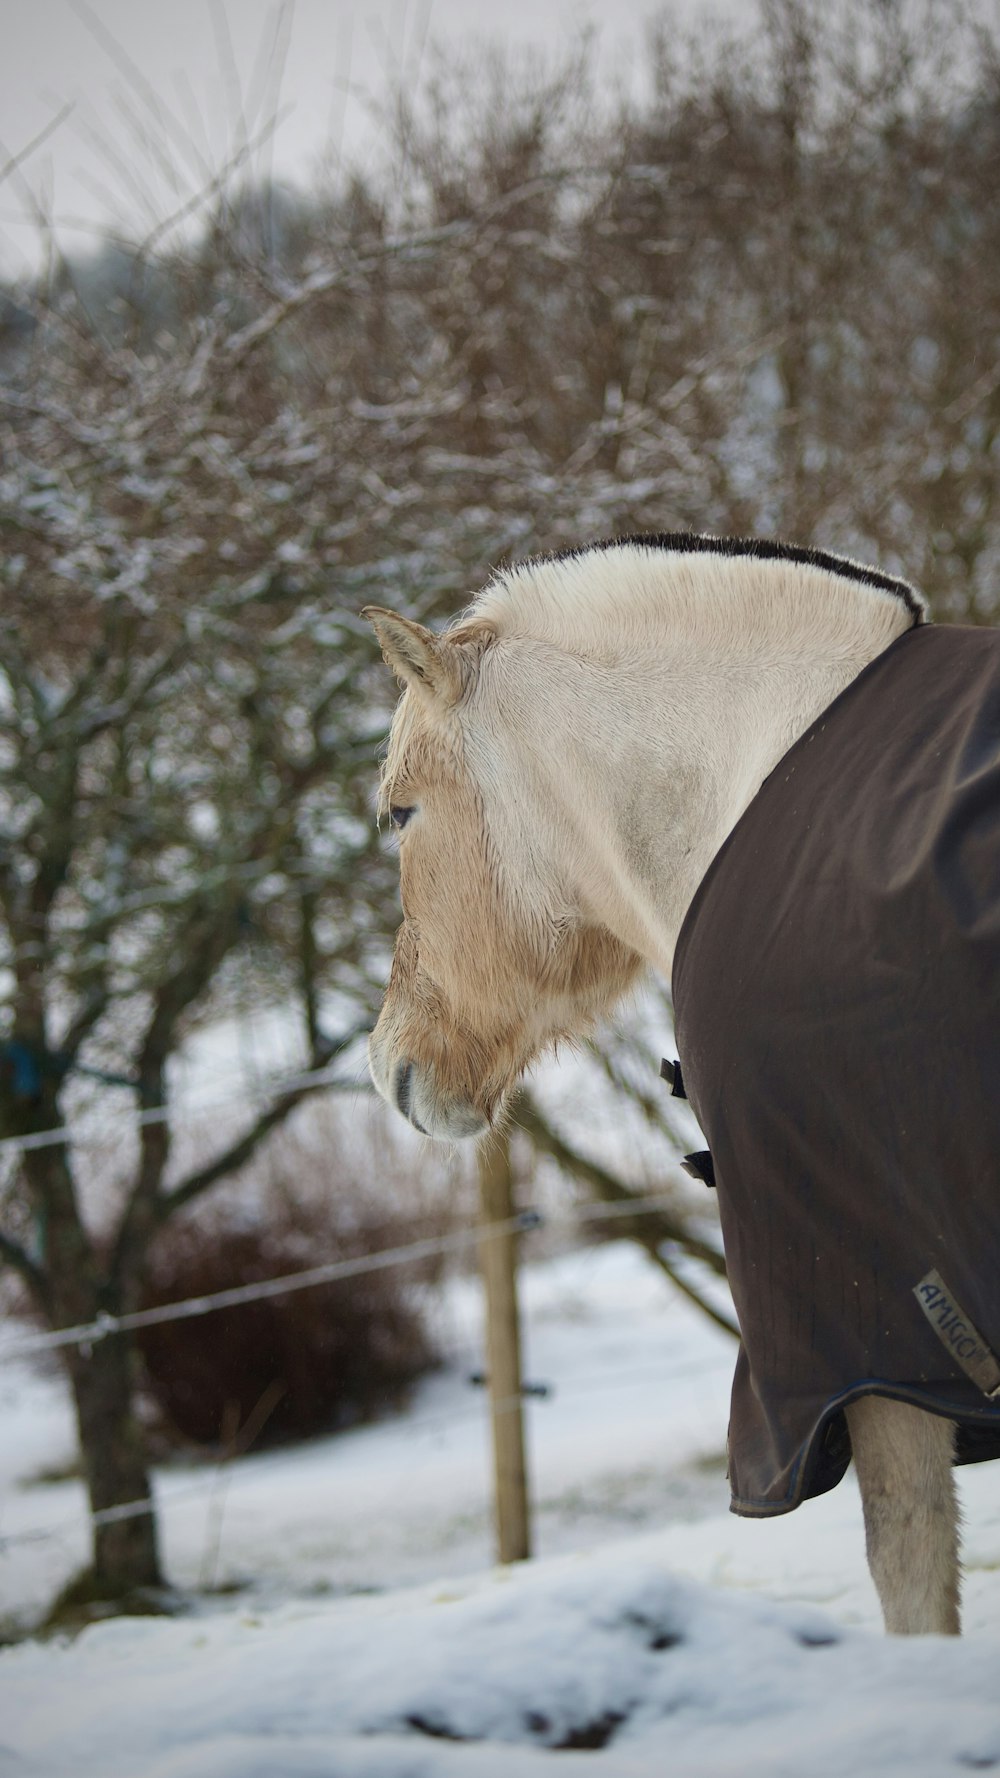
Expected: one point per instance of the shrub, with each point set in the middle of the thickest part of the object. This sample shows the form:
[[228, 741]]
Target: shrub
[[282, 1368]]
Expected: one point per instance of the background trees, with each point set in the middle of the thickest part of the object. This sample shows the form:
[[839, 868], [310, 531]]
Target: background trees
[[766, 296]]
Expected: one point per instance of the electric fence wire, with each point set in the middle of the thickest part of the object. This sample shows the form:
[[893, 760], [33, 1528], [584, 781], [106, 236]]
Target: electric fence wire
[[327, 1078], [84, 1336], [590, 1383], [87, 1333]]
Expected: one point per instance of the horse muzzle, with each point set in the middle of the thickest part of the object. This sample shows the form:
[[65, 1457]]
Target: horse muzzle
[[411, 1088]]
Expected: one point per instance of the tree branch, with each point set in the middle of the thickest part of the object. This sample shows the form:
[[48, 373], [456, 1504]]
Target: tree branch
[[687, 1289], [89, 1014], [652, 1229], [244, 1147], [13, 1255], [658, 1225], [14, 161]]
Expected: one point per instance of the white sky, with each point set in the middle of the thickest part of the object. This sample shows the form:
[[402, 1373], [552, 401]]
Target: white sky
[[57, 53]]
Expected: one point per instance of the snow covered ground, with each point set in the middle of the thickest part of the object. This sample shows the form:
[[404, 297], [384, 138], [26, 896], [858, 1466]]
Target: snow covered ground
[[371, 1635]]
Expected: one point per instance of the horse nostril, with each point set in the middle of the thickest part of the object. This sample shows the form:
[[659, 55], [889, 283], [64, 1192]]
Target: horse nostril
[[403, 1086], [404, 1093]]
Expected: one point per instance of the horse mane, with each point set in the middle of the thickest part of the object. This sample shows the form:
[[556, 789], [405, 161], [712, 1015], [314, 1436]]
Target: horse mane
[[614, 595], [619, 583]]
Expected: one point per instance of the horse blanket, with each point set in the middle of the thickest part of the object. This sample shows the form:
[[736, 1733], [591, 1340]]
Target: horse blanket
[[837, 1001]]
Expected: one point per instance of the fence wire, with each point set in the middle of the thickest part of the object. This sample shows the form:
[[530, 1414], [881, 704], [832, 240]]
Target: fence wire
[[87, 1333], [327, 1078], [591, 1383], [84, 1336]]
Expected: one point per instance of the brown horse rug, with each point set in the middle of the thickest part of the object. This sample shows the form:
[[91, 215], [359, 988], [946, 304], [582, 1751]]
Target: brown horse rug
[[837, 998]]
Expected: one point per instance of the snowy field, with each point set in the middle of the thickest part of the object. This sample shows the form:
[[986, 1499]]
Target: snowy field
[[348, 1621]]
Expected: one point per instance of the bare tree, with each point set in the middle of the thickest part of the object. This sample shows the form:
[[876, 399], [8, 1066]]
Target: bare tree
[[180, 810], [764, 297]]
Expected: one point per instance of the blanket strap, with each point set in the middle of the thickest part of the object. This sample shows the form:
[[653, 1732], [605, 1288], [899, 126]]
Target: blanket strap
[[700, 1166], [671, 1072]]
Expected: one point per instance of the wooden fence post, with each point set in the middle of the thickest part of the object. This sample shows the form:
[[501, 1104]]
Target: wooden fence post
[[498, 1262]]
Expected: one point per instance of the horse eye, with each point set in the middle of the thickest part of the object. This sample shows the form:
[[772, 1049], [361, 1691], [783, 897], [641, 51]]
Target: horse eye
[[399, 817]]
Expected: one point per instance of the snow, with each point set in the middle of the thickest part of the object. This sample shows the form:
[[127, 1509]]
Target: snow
[[372, 1638], [608, 1647]]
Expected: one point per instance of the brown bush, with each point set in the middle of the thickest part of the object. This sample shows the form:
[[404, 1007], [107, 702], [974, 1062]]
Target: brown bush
[[310, 1362]]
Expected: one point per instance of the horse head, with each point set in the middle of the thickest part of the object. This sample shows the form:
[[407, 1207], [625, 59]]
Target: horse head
[[496, 959]]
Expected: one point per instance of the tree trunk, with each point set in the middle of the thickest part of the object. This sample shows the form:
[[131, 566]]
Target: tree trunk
[[111, 1442]]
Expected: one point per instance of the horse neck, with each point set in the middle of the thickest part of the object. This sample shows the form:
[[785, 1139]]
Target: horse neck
[[662, 746]]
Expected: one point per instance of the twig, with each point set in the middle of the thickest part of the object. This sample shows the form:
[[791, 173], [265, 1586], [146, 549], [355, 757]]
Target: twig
[[236, 1442], [14, 161]]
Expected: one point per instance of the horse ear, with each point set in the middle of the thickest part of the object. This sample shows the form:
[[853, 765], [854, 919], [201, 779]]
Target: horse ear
[[414, 654]]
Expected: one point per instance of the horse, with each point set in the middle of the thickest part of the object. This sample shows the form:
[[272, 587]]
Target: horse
[[587, 771]]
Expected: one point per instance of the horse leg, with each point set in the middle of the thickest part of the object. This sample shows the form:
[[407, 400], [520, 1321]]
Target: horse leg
[[903, 1457]]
